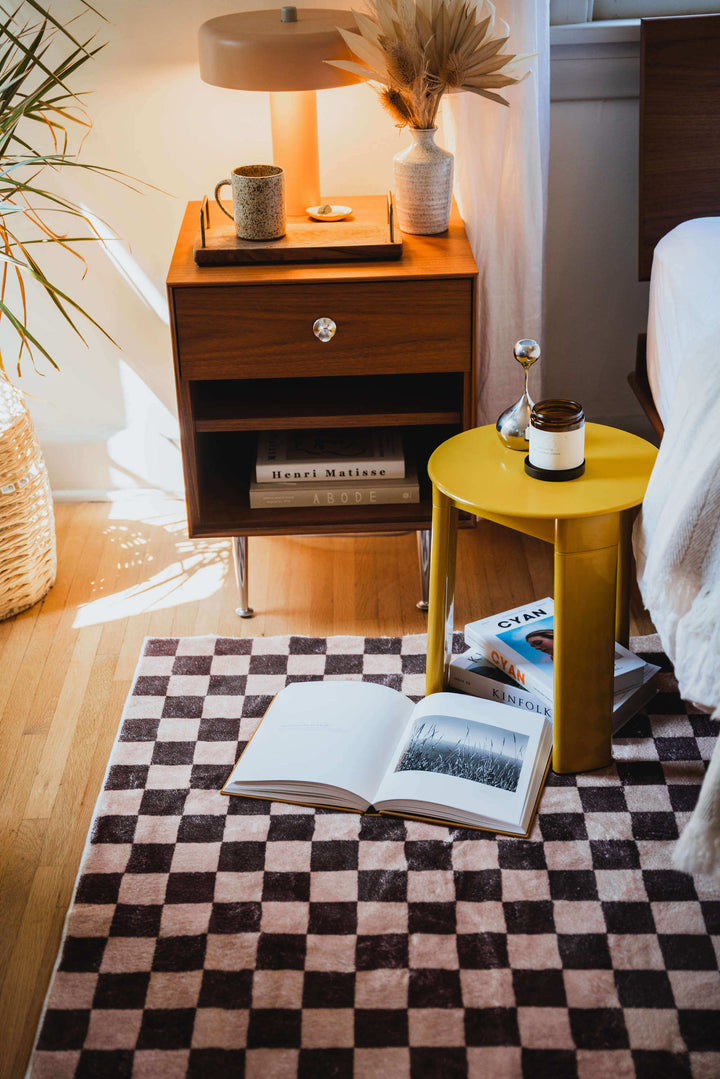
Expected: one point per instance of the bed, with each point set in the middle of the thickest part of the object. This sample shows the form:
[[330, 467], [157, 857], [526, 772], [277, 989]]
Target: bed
[[677, 374]]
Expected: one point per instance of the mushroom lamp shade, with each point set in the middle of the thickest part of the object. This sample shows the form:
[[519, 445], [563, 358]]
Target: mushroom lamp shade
[[282, 51]]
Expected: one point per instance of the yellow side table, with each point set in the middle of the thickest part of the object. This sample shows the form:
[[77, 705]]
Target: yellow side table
[[589, 521]]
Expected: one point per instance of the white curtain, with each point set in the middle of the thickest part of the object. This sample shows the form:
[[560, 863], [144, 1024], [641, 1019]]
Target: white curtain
[[501, 190]]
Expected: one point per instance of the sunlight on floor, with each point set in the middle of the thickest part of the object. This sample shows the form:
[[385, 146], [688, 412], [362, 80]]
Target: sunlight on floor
[[192, 569], [181, 582]]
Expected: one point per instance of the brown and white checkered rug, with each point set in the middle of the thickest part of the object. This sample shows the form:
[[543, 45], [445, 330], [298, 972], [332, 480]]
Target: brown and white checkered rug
[[213, 936]]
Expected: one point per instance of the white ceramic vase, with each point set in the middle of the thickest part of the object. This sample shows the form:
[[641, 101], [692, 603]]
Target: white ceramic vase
[[423, 182]]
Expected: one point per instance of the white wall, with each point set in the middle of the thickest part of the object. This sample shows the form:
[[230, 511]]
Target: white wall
[[106, 420], [596, 307]]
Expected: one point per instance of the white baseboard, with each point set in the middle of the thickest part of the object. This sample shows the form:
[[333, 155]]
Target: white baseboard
[[149, 493]]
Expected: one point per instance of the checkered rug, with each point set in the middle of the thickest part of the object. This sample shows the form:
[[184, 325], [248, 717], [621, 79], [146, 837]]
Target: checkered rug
[[213, 936]]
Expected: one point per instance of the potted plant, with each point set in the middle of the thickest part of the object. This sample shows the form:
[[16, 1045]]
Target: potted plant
[[415, 51], [38, 58]]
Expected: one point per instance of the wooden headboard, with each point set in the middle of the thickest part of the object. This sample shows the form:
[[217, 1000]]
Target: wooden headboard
[[679, 126], [679, 144]]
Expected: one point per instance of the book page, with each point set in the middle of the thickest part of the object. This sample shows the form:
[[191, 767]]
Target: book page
[[470, 754], [335, 733]]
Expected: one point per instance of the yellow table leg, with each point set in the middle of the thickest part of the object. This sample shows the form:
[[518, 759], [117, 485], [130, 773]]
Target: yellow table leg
[[441, 592], [624, 577], [586, 553]]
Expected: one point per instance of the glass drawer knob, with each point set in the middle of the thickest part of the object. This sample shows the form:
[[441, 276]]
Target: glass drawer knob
[[324, 329]]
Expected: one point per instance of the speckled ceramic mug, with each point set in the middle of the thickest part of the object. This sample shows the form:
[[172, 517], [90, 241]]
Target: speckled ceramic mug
[[258, 201]]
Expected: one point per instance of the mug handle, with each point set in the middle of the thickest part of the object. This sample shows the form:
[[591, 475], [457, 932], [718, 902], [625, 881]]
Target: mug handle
[[217, 197]]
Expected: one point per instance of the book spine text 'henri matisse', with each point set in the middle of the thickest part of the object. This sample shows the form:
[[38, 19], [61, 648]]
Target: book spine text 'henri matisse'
[[341, 457], [329, 473]]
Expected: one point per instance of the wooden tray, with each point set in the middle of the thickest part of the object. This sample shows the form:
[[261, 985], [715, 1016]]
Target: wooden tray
[[361, 236]]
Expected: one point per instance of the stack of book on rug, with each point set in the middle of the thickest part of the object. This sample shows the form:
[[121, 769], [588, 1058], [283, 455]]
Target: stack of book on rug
[[476, 758], [350, 466], [510, 660]]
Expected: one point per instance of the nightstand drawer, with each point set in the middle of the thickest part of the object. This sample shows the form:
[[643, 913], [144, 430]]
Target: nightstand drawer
[[267, 330]]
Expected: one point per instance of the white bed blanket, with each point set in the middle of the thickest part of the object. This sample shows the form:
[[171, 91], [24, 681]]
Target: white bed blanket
[[684, 302], [677, 550]]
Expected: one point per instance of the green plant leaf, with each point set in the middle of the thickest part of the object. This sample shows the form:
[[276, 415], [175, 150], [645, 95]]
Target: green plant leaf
[[40, 55], [47, 14], [24, 333]]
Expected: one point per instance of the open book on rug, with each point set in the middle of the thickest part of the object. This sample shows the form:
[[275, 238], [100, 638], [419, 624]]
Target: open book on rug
[[365, 747]]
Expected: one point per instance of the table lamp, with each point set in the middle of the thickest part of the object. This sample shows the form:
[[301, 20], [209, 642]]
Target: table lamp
[[282, 51]]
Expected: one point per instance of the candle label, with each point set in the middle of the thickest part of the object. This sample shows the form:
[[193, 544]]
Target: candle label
[[556, 450]]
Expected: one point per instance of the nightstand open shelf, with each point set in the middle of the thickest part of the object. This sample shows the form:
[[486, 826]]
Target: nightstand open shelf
[[225, 468], [345, 401], [247, 360]]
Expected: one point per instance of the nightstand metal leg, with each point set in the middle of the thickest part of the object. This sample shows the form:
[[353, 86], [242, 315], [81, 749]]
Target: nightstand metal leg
[[442, 591], [423, 546], [240, 563]]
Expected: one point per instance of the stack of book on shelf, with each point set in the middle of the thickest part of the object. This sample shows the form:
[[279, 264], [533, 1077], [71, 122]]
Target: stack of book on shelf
[[332, 467], [510, 660]]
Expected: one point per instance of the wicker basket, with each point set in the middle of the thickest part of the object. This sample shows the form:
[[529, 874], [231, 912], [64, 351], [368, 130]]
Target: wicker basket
[[27, 524]]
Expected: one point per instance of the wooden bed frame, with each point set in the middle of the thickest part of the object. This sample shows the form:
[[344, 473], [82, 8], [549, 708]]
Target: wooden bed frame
[[679, 143]]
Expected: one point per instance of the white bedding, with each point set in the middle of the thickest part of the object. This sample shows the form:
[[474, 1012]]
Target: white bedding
[[677, 534], [684, 302]]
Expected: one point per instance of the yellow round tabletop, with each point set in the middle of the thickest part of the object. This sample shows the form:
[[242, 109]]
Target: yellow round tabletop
[[479, 474]]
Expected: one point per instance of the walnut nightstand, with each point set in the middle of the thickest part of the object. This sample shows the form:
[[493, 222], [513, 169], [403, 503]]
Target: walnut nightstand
[[247, 360]]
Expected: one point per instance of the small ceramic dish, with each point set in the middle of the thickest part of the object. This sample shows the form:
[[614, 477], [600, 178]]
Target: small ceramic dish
[[337, 213]]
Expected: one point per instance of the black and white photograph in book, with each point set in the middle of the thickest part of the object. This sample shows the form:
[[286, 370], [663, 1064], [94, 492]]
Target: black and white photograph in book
[[465, 749]]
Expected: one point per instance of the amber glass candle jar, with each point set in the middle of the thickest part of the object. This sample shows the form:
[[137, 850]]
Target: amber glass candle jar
[[557, 440]]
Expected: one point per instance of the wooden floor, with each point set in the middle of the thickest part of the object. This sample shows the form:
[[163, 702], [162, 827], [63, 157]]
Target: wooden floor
[[126, 570]]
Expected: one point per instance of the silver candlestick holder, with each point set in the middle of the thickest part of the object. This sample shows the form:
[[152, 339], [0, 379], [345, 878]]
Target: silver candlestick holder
[[512, 425]]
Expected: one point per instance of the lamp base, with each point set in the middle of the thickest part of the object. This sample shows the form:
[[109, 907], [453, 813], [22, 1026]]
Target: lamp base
[[293, 116]]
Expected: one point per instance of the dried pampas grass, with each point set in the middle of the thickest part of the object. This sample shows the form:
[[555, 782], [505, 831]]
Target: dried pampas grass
[[418, 50]]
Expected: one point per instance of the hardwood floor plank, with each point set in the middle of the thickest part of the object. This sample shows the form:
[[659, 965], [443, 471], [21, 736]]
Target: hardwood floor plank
[[61, 733], [223, 592], [30, 966], [13, 656], [154, 565], [37, 682], [127, 544], [15, 795], [15, 884], [22, 625], [164, 577], [80, 781]]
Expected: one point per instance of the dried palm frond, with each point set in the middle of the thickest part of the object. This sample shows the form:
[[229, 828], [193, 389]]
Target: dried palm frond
[[37, 108], [418, 50]]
